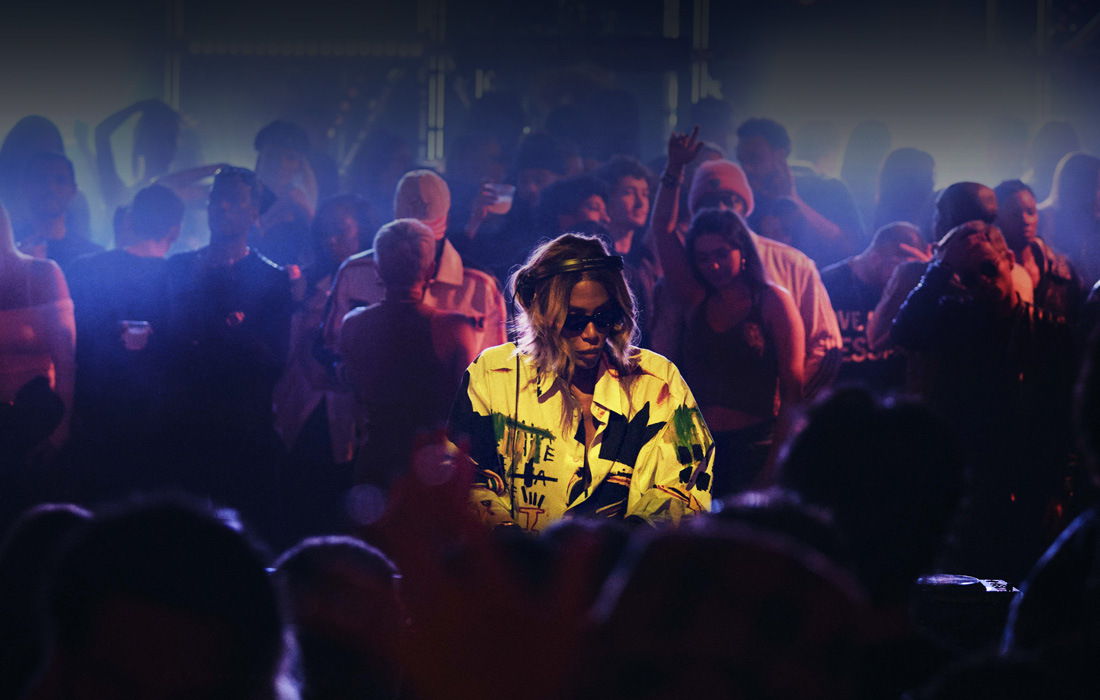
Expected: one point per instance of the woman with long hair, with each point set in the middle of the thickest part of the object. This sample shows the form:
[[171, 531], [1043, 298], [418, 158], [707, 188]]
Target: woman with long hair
[[573, 420], [742, 342]]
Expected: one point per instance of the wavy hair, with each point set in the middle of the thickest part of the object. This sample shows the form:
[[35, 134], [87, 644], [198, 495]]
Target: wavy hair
[[542, 310], [731, 227]]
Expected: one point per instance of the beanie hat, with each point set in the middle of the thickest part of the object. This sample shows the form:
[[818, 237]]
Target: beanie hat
[[423, 195], [720, 176]]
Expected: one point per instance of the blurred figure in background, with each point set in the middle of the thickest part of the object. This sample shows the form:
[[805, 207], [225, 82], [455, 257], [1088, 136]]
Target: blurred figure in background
[[497, 242], [28, 554], [30, 136], [282, 165], [716, 126], [378, 164], [1005, 148], [47, 189], [629, 194], [867, 146], [831, 229], [957, 204], [348, 616], [905, 188], [1051, 143], [817, 146], [162, 600], [1070, 218], [566, 203], [317, 472], [855, 288], [156, 142]]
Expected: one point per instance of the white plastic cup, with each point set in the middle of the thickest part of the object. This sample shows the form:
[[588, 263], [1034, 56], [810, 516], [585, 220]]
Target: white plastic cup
[[135, 334], [503, 203]]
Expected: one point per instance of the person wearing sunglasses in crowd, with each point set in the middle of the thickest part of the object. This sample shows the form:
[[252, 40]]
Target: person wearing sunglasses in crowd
[[573, 420]]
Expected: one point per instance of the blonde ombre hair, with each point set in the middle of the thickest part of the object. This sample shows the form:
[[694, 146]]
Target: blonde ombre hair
[[542, 294]]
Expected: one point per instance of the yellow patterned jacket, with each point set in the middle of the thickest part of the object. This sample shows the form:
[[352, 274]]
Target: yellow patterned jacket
[[651, 458]]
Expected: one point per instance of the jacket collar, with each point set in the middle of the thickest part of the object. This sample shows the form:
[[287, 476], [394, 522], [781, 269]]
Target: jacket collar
[[450, 266]]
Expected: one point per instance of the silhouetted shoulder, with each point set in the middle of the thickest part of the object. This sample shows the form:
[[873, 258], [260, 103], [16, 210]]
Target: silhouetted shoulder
[[46, 282]]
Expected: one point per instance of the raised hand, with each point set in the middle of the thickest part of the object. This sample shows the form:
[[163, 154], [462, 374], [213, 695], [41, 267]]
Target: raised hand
[[682, 149]]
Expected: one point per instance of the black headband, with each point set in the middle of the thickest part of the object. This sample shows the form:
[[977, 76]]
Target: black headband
[[525, 283]]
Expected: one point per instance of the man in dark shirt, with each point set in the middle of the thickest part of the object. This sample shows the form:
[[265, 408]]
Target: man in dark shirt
[[828, 227], [855, 286], [121, 330], [230, 311]]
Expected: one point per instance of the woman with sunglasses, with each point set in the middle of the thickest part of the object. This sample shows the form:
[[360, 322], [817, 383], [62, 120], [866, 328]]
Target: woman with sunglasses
[[573, 420], [741, 344]]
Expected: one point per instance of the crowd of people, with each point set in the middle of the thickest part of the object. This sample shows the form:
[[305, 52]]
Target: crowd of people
[[549, 421]]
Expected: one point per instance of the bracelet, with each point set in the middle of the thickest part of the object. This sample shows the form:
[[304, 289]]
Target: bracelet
[[671, 181]]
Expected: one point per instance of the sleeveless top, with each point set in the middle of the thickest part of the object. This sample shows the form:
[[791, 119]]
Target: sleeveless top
[[25, 343], [737, 368]]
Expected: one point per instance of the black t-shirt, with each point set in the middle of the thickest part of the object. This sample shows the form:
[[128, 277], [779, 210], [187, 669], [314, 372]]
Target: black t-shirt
[[854, 303], [120, 339], [230, 328], [830, 198]]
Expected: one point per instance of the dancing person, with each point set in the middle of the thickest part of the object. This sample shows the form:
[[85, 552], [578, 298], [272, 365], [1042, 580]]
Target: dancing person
[[574, 421], [742, 340], [156, 142], [720, 184]]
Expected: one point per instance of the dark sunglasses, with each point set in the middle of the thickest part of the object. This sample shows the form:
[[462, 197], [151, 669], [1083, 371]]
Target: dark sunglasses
[[602, 320], [987, 270]]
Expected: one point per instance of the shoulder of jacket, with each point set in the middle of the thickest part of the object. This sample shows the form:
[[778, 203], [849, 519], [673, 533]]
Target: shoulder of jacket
[[478, 277], [363, 259], [498, 357]]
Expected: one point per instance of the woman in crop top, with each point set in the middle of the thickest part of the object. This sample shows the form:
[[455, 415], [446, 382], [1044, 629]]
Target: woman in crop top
[[741, 344]]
